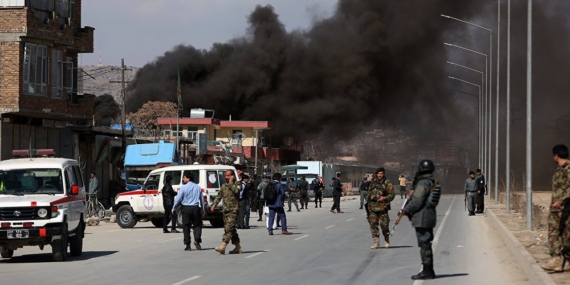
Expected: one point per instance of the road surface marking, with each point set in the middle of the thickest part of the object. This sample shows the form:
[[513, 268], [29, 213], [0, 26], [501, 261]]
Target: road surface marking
[[350, 219], [438, 234], [301, 237], [178, 238], [329, 227], [256, 254], [187, 280]]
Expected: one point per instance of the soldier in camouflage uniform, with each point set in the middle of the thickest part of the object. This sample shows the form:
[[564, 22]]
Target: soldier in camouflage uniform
[[558, 216], [380, 194], [229, 192]]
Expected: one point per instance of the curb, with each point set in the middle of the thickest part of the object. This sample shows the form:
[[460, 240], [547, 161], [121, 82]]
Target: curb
[[526, 262]]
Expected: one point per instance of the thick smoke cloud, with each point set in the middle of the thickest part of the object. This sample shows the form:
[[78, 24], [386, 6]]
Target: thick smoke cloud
[[106, 110], [372, 60]]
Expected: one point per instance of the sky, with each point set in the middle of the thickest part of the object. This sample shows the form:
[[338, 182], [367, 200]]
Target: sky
[[141, 30]]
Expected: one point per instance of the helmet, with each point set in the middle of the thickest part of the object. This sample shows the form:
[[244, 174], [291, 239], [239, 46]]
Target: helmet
[[426, 166]]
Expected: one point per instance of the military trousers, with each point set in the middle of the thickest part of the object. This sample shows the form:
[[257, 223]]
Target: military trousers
[[381, 218], [318, 199], [565, 231], [363, 197], [304, 199], [293, 199], [425, 239], [230, 224], [556, 227]]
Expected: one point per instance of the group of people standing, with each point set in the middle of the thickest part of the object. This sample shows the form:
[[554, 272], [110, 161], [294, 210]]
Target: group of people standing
[[475, 190]]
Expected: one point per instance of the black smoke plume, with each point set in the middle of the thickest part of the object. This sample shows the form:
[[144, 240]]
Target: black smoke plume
[[373, 60], [106, 110]]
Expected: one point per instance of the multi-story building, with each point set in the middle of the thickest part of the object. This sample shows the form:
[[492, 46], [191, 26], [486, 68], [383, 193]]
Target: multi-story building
[[39, 44]]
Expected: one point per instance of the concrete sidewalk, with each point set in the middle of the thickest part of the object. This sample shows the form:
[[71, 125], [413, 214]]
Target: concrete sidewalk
[[530, 266]]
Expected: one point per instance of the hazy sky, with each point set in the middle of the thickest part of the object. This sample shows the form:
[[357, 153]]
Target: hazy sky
[[141, 30]]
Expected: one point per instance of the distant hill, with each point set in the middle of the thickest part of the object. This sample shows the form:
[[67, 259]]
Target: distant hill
[[96, 79]]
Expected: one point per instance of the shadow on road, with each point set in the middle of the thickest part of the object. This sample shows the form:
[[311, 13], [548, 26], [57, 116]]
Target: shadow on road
[[45, 257], [440, 276], [398, 246], [253, 251]]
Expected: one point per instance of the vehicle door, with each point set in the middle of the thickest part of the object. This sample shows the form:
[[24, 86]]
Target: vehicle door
[[214, 180], [148, 202]]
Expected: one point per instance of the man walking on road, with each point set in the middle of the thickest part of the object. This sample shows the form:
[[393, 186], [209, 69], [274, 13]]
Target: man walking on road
[[559, 209], [192, 201], [303, 187], [229, 192], [480, 198], [402, 187], [337, 193], [380, 194], [471, 192], [363, 191], [260, 198], [421, 208], [277, 206], [168, 195], [243, 203]]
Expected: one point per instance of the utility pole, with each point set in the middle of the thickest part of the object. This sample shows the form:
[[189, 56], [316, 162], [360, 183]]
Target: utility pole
[[123, 100]]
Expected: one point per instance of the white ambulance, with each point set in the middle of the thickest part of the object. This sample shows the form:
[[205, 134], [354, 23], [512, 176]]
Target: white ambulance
[[42, 202], [146, 203]]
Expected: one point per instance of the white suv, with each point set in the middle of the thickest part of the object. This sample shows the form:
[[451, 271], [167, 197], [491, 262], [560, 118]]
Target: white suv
[[42, 202], [146, 203]]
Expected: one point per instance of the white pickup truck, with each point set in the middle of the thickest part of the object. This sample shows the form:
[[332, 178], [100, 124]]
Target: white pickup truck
[[42, 202], [146, 203]]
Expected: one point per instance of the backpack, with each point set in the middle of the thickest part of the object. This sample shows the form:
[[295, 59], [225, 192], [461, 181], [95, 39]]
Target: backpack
[[434, 194], [270, 192]]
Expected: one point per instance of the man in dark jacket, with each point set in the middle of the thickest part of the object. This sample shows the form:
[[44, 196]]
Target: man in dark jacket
[[167, 201], [363, 189], [337, 193], [480, 197], [276, 207], [303, 188], [421, 208], [319, 187], [243, 202]]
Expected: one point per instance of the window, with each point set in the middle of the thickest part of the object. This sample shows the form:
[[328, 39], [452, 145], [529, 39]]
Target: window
[[31, 181], [196, 174], [68, 76], [176, 177], [192, 133], [35, 69], [78, 175], [176, 131], [152, 182], [57, 73]]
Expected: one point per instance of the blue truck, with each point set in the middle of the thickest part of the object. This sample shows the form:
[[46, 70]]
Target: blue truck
[[141, 159]]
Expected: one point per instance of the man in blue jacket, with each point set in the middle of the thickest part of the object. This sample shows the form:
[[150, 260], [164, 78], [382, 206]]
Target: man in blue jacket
[[277, 206]]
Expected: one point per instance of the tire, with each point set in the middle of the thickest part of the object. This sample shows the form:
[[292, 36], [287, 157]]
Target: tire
[[6, 253], [76, 241], [101, 211], [179, 217], [125, 217], [217, 223], [157, 222], [59, 247]]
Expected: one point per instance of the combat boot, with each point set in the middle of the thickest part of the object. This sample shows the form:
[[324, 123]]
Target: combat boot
[[197, 245], [360, 207], [555, 264], [426, 273], [236, 250], [222, 248], [376, 244], [386, 241]]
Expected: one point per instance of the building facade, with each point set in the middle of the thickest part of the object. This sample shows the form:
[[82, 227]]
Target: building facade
[[40, 41]]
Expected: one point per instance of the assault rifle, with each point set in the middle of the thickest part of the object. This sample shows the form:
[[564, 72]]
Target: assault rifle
[[399, 216]]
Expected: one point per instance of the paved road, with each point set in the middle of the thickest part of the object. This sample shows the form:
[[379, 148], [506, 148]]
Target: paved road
[[325, 248]]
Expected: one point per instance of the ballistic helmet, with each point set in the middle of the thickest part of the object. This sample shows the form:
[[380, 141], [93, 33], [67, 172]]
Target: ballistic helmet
[[426, 166]]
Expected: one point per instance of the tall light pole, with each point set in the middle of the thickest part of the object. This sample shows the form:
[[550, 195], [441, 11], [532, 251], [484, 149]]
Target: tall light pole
[[471, 83], [488, 96], [480, 121], [508, 138], [497, 107], [529, 120], [483, 149]]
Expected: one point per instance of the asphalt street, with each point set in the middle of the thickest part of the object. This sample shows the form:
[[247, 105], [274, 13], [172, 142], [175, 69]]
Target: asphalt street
[[325, 248]]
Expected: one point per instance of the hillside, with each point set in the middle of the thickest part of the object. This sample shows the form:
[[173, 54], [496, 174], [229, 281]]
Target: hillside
[[96, 79]]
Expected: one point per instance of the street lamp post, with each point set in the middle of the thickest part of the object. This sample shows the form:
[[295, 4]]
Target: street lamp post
[[480, 121], [480, 97], [488, 96], [529, 120], [483, 149]]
